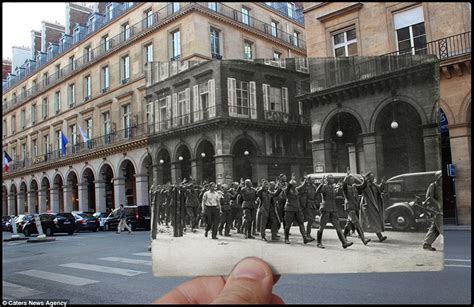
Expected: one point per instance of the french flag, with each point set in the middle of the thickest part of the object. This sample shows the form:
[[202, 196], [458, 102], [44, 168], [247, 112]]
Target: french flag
[[6, 160]]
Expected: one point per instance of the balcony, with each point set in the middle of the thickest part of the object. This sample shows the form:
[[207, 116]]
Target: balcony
[[108, 140], [282, 8], [159, 71]]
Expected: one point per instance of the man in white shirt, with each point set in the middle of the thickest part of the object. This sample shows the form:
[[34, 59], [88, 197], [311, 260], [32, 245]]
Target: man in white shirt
[[211, 206]]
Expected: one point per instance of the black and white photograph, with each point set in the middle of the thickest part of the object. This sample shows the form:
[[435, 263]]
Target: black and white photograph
[[236, 152]]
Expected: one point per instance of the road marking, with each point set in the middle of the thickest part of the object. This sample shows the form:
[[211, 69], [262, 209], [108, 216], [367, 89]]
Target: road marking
[[143, 254], [127, 260], [102, 269], [461, 260], [458, 265], [18, 291], [61, 278]]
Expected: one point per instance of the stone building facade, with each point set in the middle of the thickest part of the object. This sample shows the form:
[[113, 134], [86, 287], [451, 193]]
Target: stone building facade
[[233, 119], [441, 29], [94, 79]]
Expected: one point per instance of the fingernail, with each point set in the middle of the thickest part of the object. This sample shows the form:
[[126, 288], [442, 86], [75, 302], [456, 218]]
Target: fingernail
[[249, 268]]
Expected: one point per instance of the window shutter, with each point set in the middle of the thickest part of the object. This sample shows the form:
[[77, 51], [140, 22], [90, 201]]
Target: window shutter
[[196, 109], [167, 120], [284, 94], [300, 107], [253, 100], [212, 98], [156, 115], [164, 68], [266, 97], [188, 106], [175, 110], [231, 96]]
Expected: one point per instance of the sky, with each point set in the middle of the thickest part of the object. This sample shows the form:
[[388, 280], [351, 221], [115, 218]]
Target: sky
[[18, 19]]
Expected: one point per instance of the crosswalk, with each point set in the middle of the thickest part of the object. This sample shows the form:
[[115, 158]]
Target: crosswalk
[[141, 263]]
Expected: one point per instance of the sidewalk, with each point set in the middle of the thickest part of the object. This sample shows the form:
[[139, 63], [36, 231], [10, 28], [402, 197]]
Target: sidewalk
[[452, 227]]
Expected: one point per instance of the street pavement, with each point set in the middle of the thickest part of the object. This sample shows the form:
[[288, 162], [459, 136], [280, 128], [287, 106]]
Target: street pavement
[[108, 268]]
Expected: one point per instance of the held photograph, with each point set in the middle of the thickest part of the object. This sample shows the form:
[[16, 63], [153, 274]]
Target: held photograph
[[315, 165]]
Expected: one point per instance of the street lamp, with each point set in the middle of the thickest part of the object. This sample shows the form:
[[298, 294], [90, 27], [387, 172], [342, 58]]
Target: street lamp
[[180, 158], [203, 154], [394, 124], [246, 153], [339, 132], [162, 161]]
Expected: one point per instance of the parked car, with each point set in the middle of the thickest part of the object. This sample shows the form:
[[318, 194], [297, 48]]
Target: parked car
[[6, 225], [102, 216], [86, 221], [52, 223], [137, 217], [400, 206], [21, 220]]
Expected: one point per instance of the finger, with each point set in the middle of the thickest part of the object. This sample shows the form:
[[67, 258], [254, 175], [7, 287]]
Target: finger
[[276, 300], [250, 281], [200, 290]]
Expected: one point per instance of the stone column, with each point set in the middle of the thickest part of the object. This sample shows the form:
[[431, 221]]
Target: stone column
[[157, 169], [31, 202], [119, 191], [83, 199], [11, 204], [141, 181], [42, 200], [296, 169], [259, 170], [196, 169], [67, 194], [361, 159], [373, 154], [55, 198], [175, 171], [322, 154], [432, 143], [223, 169], [460, 139], [100, 201], [352, 158], [21, 203]]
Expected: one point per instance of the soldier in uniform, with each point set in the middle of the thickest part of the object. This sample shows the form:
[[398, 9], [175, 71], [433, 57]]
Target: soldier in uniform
[[249, 196], [281, 200], [329, 211], [266, 194], [234, 206], [226, 217], [372, 208], [351, 206], [293, 211], [307, 193], [191, 204], [434, 198]]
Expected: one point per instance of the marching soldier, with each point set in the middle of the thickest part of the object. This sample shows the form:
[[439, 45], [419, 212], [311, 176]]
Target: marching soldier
[[308, 201], [226, 217], [281, 200], [192, 204], [329, 211], [236, 211], [351, 205], [434, 198], [249, 196], [266, 194]]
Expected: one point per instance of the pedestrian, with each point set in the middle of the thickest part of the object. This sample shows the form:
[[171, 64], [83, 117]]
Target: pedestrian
[[329, 211], [212, 209], [266, 194], [351, 206], [434, 198], [123, 220], [226, 217], [293, 211], [372, 208], [249, 196]]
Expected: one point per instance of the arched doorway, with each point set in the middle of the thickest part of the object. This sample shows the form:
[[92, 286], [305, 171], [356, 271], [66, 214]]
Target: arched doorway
[[183, 163], [24, 196], [4, 201], [89, 179], [343, 131], [243, 151], [164, 166], [59, 185], [73, 185], [13, 195], [205, 162], [34, 196], [128, 173], [107, 175], [402, 143], [46, 190]]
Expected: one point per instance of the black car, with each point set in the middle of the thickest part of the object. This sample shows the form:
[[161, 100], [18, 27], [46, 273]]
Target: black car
[[21, 220], [86, 221], [52, 223], [6, 225], [137, 217]]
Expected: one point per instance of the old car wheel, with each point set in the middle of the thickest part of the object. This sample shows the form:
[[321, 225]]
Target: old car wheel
[[26, 232], [401, 220], [71, 233], [106, 227]]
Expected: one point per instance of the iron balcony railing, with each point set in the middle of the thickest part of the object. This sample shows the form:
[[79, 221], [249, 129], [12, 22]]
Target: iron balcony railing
[[254, 23], [104, 48], [282, 8], [159, 71], [117, 12], [134, 132]]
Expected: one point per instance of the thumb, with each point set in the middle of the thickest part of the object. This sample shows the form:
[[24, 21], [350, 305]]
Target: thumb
[[250, 282]]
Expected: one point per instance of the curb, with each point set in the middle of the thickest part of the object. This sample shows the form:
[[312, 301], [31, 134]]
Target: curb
[[40, 240], [13, 239]]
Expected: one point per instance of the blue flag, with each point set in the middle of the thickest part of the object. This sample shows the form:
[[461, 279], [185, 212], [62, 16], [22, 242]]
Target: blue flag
[[64, 141]]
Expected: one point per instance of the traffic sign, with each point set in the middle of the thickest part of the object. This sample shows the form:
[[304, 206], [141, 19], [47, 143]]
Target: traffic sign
[[451, 170]]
